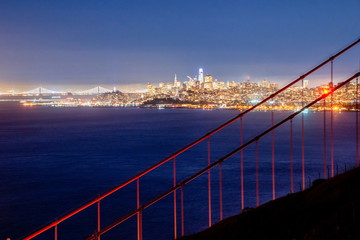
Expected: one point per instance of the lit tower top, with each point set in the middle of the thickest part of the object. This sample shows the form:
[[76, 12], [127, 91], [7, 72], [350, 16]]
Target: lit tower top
[[176, 82], [201, 75]]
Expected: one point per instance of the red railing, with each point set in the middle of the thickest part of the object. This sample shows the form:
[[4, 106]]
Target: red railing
[[218, 162], [176, 185]]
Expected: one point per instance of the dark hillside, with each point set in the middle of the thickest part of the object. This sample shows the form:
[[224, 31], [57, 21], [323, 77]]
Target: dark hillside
[[328, 210]]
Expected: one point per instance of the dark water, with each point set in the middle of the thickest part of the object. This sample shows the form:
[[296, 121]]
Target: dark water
[[55, 159]]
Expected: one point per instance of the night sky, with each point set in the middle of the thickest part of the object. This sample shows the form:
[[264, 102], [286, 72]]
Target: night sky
[[120, 42]]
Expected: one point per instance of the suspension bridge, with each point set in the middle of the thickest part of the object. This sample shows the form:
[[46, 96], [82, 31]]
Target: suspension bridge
[[91, 91], [257, 150]]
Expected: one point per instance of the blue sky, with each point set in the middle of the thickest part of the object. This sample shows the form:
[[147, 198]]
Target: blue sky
[[117, 42]]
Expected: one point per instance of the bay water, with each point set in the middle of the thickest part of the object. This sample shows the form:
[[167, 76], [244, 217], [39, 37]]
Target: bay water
[[53, 160]]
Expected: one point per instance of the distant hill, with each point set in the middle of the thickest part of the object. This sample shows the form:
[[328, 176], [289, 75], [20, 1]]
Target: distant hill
[[328, 210]]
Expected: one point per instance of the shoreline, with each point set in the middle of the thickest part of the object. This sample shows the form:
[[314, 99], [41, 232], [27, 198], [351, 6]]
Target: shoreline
[[173, 106]]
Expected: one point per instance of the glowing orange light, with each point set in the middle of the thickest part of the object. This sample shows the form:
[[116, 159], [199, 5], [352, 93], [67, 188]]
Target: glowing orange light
[[326, 91]]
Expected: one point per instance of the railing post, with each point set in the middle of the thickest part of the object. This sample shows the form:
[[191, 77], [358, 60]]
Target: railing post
[[257, 172], [303, 186], [175, 207], [139, 214], [291, 158], [209, 184], [357, 122], [324, 133], [98, 220], [56, 232], [220, 193], [331, 126], [242, 197], [182, 211], [273, 157], [332, 158]]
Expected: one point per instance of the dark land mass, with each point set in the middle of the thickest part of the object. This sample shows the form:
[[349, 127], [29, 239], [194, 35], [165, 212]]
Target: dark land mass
[[328, 210]]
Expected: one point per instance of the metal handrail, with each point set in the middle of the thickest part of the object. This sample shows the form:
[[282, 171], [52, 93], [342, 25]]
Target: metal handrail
[[136, 177]]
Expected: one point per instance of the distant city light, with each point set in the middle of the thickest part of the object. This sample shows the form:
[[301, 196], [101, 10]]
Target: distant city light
[[254, 101]]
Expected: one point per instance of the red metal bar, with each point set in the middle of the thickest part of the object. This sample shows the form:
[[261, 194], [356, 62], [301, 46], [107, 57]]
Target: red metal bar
[[220, 193], [357, 122], [302, 153], [182, 211], [257, 172], [332, 146], [209, 185], [273, 157], [242, 197], [332, 160], [324, 133], [189, 146], [291, 158], [206, 169], [139, 217], [98, 219], [56, 232], [302, 141], [175, 207]]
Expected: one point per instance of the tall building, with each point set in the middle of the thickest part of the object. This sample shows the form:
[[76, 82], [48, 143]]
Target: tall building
[[208, 82], [176, 82], [149, 87], [201, 75], [265, 84], [305, 84]]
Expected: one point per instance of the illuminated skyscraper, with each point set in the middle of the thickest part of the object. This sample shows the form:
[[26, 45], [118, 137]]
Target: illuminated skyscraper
[[176, 82], [208, 82], [305, 84], [201, 75]]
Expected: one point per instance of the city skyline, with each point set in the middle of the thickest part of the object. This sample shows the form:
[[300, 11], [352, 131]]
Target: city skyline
[[115, 43], [200, 76]]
